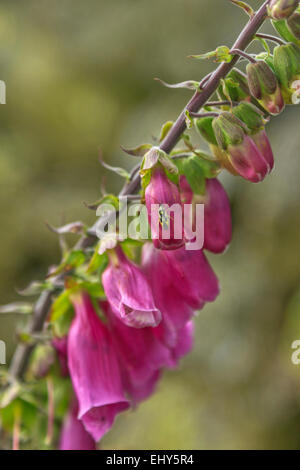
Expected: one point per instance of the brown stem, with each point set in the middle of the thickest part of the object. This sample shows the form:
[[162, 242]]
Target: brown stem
[[243, 54], [269, 37], [22, 354]]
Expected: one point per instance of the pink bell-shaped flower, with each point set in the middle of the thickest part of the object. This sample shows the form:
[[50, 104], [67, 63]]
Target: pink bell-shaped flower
[[129, 292], [164, 211], [94, 369], [217, 213], [141, 355], [73, 435]]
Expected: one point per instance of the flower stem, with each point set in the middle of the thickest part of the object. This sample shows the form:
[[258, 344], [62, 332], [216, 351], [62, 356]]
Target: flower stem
[[269, 37], [243, 54]]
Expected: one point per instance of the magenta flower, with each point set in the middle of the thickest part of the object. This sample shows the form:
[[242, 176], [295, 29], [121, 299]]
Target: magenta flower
[[94, 369], [184, 342], [192, 277], [248, 161], [73, 435], [263, 144], [141, 356], [217, 214], [217, 217], [186, 193], [156, 265], [164, 211], [249, 156], [181, 281], [129, 293]]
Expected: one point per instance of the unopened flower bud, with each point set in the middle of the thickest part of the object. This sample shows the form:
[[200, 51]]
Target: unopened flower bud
[[236, 86], [217, 214], [287, 68], [293, 24], [255, 122], [264, 87], [241, 150], [280, 9], [228, 130], [204, 126], [263, 144], [250, 115], [164, 209]]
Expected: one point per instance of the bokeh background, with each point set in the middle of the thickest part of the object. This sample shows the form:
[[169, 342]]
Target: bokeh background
[[79, 77]]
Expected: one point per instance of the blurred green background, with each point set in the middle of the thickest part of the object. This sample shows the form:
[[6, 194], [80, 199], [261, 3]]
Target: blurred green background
[[79, 76]]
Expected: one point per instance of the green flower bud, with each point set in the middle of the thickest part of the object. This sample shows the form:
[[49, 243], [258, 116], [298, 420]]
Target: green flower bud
[[264, 87], [280, 9], [282, 29], [293, 24], [204, 127], [251, 159], [228, 129], [236, 86], [251, 116], [287, 69]]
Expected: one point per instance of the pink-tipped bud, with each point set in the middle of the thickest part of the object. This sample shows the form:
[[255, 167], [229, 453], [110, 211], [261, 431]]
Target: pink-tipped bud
[[241, 150], [248, 161], [287, 69], [129, 293], [281, 9], [252, 117], [263, 144], [264, 87], [217, 213], [293, 24], [165, 212]]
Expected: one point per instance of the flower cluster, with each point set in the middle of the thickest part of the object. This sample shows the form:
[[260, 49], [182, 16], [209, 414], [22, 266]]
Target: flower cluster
[[115, 359]]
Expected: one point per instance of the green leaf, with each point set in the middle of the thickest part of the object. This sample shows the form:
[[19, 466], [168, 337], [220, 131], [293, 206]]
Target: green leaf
[[194, 173], [167, 163], [207, 55], [60, 306], [188, 120], [75, 259], [198, 168], [9, 394], [72, 260], [107, 199], [116, 169], [165, 130], [224, 86], [221, 54], [95, 289], [211, 168], [17, 307], [35, 287], [97, 263], [189, 84], [265, 45], [179, 162], [139, 151], [130, 247], [282, 28], [249, 10], [62, 325]]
